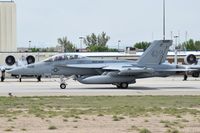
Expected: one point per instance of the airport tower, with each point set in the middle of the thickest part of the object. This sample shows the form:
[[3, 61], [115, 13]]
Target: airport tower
[[7, 26]]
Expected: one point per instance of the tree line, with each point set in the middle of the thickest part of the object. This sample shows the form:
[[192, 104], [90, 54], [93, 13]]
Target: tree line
[[98, 43], [94, 43], [190, 45]]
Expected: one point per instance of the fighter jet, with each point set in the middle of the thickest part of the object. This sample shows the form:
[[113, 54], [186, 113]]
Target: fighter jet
[[12, 63], [117, 72]]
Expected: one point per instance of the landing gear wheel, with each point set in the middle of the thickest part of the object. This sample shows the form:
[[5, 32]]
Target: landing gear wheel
[[62, 86], [20, 78], [124, 85], [185, 77], [39, 78], [118, 86], [2, 78]]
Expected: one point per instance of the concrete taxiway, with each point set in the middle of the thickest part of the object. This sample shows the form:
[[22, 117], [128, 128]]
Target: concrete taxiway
[[151, 86]]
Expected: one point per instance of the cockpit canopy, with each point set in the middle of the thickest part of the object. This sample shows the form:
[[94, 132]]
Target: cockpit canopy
[[63, 57]]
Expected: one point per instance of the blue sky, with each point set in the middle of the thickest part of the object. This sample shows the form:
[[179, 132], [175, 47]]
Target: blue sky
[[43, 21]]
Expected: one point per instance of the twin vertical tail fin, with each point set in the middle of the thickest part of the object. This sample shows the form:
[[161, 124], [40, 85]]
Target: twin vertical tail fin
[[156, 53]]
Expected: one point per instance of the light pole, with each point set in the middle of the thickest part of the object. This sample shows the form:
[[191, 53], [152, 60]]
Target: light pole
[[81, 41], [29, 44], [164, 19], [171, 35], [118, 44], [176, 41], [186, 36], [175, 50]]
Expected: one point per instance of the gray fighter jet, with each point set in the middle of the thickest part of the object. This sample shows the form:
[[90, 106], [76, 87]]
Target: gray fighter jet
[[117, 72]]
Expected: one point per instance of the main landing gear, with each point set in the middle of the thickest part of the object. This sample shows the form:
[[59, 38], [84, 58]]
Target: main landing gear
[[20, 78], [2, 75], [122, 85], [39, 78], [185, 77]]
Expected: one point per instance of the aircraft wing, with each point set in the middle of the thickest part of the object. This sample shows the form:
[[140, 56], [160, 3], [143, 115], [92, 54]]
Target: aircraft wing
[[197, 67], [175, 70], [135, 71], [5, 67], [128, 69], [189, 67], [18, 63], [120, 69]]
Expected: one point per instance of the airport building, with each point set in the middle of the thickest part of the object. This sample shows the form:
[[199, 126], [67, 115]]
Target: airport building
[[7, 26]]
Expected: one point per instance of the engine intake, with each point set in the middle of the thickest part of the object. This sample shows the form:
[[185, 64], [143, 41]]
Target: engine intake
[[30, 59], [190, 59], [10, 60]]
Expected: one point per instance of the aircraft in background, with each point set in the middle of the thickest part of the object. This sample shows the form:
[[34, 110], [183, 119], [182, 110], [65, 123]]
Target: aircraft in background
[[12, 63], [192, 62], [117, 72]]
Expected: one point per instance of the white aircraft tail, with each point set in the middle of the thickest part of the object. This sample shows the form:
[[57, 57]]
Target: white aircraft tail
[[156, 53]]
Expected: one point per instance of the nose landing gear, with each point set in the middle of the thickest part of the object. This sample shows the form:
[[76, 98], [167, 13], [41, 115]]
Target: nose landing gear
[[62, 86], [63, 83]]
